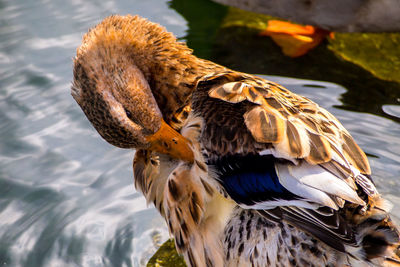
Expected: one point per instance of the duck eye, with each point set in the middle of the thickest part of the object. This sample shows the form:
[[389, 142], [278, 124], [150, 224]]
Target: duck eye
[[128, 114], [132, 118]]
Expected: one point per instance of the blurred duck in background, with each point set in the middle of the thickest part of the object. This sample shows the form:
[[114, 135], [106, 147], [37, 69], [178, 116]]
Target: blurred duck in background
[[245, 172], [320, 19]]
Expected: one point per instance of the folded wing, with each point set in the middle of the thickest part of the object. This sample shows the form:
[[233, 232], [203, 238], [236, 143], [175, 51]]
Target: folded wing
[[296, 127]]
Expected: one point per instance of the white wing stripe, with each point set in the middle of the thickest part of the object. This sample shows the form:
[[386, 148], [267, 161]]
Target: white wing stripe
[[292, 184], [315, 183], [317, 177]]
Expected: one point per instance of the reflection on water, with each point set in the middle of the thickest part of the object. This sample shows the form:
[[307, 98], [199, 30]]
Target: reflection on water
[[66, 196]]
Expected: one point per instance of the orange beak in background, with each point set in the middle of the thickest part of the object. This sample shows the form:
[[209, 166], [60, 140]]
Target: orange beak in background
[[168, 141]]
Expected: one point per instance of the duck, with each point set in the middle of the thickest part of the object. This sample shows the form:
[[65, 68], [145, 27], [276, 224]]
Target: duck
[[244, 172], [338, 16], [311, 22]]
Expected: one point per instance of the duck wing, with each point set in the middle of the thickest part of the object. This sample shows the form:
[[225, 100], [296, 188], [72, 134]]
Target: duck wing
[[268, 119], [292, 125]]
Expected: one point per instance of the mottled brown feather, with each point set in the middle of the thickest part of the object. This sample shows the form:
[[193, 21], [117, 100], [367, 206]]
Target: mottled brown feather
[[294, 139], [320, 151], [265, 126], [354, 153]]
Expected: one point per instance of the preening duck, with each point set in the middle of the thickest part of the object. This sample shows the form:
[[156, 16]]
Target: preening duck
[[245, 172]]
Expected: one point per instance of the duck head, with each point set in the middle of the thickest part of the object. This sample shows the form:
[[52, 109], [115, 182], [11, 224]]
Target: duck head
[[111, 87]]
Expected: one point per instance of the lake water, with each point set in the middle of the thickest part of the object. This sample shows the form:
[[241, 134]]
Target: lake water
[[66, 196]]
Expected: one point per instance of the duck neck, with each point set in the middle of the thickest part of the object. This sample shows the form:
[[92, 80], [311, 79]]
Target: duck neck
[[172, 72]]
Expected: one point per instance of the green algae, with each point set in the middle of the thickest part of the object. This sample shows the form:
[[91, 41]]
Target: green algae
[[166, 256], [240, 18], [379, 53]]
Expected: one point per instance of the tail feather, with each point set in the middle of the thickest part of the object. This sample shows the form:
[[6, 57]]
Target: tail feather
[[393, 261], [377, 234]]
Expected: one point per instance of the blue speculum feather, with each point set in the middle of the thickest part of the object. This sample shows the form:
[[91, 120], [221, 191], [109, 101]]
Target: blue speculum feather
[[251, 179]]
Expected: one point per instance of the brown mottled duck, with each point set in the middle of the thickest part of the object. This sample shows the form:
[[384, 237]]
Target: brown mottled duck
[[245, 172]]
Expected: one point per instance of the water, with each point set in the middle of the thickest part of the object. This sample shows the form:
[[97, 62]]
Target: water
[[66, 196]]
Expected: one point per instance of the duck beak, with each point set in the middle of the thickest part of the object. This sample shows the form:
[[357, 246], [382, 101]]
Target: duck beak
[[168, 141]]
